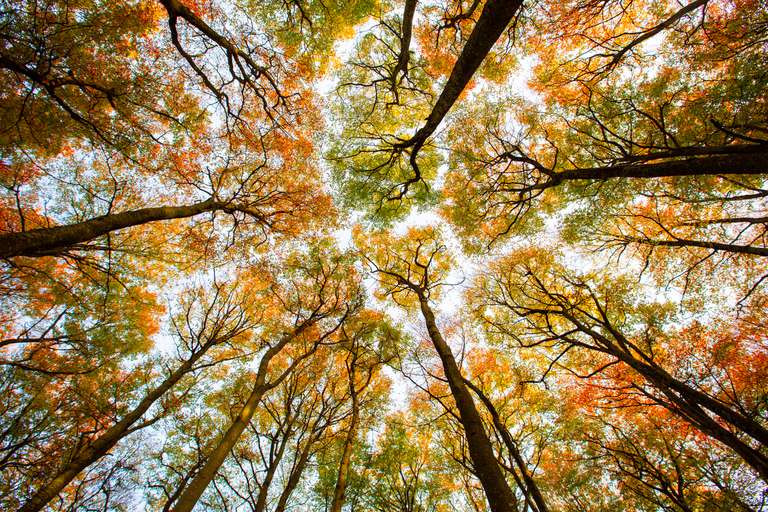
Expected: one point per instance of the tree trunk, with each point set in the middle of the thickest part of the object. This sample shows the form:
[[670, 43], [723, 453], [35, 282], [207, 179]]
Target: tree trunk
[[406, 32], [261, 500], [346, 453], [688, 402], [715, 246], [107, 440], [755, 162], [495, 17], [531, 488], [500, 496], [664, 380], [493, 20], [294, 478], [191, 494], [49, 241]]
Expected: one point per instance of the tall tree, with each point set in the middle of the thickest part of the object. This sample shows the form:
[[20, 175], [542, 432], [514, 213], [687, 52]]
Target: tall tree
[[221, 320], [565, 311], [410, 269], [314, 303], [370, 343]]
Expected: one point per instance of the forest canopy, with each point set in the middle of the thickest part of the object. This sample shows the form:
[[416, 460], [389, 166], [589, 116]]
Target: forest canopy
[[385, 256]]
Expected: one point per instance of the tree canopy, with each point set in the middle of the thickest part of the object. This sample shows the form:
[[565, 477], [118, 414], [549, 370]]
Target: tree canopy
[[379, 256]]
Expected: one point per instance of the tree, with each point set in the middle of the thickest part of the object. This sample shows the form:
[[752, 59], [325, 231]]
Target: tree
[[222, 319], [293, 422], [314, 302], [561, 310], [366, 355], [410, 269], [375, 154], [401, 474]]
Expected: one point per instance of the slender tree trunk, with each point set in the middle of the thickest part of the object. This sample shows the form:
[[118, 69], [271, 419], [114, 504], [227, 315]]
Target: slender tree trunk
[[495, 17], [346, 453], [500, 496], [49, 241], [686, 401], [665, 381], [191, 494], [406, 32], [294, 478], [261, 500], [107, 440], [690, 403], [695, 415]]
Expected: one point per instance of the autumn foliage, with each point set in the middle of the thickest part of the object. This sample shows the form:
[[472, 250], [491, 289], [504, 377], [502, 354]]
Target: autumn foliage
[[381, 255]]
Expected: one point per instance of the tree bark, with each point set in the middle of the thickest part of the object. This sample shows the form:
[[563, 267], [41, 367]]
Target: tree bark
[[49, 241], [686, 401], [406, 32], [261, 500], [715, 246], [500, 496], [107, 440], [495, 17], [661, 378], [754, 162], [689, 403]]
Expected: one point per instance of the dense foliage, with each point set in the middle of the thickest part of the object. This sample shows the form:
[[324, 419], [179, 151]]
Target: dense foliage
[[368, 255]]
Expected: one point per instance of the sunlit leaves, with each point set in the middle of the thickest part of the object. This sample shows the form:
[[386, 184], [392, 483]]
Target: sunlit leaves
[[603, 164], [408, 266]]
